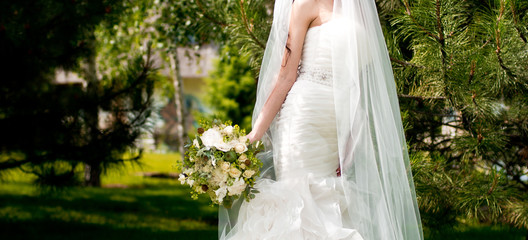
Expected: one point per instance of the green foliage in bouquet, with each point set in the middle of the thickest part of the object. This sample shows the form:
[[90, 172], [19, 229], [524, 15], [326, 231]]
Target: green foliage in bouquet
[[221, 163]]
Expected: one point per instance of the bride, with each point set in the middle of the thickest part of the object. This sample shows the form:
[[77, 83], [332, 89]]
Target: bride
[[336, 164]]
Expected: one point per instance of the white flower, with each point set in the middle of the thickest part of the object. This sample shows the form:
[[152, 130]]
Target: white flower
[[195, 143], [225, 166], [211, 138], [221, 193], [240, 148], [182, 178], [242, 158], [248, 173], [243, 166], [228, 130], [218, 177], [191, 159], [190, 181], [234, 172], [223, 146], [237, 188], [243, 139], [188, 172]]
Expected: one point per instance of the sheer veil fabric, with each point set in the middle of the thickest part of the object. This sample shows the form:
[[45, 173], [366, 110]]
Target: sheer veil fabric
[[376, 174]]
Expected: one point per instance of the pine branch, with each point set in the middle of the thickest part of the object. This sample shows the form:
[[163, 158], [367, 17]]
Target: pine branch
[[485, 43], [408, 12], [471, 72], [498, 41], [421, 97], [145, 71], [441, 38], [246, 25], [516, 23], [405, 63], [453, 126], [209, 17]]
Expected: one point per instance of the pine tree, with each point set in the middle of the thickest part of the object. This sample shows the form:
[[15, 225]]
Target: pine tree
[[49, 128], [462, 65]]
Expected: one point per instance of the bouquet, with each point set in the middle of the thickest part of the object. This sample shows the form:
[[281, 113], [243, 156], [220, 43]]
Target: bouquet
[[221, 163]]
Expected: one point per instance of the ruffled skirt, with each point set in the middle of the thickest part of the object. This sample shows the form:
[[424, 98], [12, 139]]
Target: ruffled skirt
[[306, 201]]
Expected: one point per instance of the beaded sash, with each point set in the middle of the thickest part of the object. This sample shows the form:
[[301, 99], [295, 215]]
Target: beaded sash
[[316, 75]]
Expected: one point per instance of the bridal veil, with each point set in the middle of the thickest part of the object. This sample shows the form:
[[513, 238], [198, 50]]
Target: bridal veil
[[376, 174]]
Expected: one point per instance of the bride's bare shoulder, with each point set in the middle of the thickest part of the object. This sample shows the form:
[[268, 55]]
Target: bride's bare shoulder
[[315, 11], [308, 9]]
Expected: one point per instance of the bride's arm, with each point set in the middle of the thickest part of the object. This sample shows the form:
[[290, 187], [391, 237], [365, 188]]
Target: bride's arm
[[303, 13]]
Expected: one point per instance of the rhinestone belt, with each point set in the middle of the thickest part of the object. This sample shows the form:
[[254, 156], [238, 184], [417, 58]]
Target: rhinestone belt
[[316, 75]]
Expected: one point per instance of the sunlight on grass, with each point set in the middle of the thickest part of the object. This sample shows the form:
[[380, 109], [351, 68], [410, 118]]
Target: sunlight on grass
[[131, 173]]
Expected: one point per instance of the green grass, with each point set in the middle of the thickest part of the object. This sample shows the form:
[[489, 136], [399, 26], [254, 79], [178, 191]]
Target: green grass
[[478, 232], [135, 207], [140, 208]]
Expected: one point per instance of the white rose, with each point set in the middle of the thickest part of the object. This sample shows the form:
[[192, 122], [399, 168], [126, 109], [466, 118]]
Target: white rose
[[243, 166], [211, 138], [240, 148], [237, 188], [234, 172], [228, 130], [242, 158], [243, 139], [248, 173], [224, 147], [196, 144], [221, 193], [225, 166]]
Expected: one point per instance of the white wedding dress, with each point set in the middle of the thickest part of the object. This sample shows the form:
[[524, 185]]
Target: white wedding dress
[[306, 201]]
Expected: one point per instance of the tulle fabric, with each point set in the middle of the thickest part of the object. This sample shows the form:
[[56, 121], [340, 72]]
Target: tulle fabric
[[308, 208], [372, 147]]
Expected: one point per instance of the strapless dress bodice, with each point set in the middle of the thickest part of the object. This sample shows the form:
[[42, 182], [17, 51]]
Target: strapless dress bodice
[[316, 60]]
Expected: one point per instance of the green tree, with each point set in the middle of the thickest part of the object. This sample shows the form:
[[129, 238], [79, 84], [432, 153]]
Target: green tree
[[49, 128], [243, 27], [231, 88], [183, 24]]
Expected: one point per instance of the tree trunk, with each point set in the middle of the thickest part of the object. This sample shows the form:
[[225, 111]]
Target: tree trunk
[[92, 173], [180, 106]]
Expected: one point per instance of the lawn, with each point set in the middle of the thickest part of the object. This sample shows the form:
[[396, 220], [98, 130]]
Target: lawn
[[131, 206]]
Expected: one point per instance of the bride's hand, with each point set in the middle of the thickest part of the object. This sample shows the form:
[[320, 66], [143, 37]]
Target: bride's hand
[[252, 136]]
